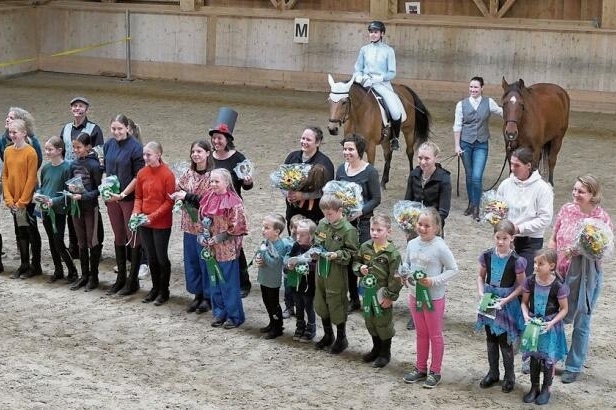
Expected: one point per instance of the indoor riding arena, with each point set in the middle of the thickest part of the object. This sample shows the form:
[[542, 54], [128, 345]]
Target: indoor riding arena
[[170, 65]]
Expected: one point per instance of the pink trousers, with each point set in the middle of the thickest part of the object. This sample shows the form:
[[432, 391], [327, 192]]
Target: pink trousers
[[429, 332]]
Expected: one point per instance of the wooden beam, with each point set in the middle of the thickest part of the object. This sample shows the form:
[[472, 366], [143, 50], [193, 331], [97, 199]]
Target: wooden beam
[[482, 7], [608, 15], [493, 8], [503, 10]]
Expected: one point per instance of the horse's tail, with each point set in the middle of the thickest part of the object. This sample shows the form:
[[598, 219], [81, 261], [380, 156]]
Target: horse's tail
[[422, 118]]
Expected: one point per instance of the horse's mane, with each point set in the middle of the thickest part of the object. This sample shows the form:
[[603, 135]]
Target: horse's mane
[[358, 87]]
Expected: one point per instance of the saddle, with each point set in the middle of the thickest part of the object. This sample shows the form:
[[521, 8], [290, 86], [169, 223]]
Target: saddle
[[385, 113]]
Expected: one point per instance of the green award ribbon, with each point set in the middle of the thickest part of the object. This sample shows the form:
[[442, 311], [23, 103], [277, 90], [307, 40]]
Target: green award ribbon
[[422, 294], [136, 221], [75, 211], [191, 211], [530, 337], [213, 268], [487, 301], [52, 215], [323, 266], [371, 306]]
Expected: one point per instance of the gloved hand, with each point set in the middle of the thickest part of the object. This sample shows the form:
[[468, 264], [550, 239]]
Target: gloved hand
[[358, 78], [368, 83], [377, 79]]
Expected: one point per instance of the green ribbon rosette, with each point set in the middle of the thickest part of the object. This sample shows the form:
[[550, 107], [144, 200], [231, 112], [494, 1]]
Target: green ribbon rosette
[[75, 211], [212, 267], [136, 221], [109, 185], [371, 306], [294, 276], [530, 337], [43, 203], [422, 294]]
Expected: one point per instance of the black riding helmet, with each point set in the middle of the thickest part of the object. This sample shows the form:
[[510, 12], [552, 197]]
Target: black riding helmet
[[376, 25]]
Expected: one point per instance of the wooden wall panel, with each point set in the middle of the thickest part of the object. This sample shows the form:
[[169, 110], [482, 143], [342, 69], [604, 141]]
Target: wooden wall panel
[[333, 5], [19, 40]]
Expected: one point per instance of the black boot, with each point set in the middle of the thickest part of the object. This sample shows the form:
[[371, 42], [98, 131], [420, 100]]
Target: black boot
[[341, 342], [548, 375], [132, 284], [120, 254], [374, 353], [328, 337], [163, 294], [277, 326], [508, 355], [493, 375], [84, 260], [475, 213], [195, 303], [67, 259], [95, 258], [384, 354], [469, 209], [535, 370], [153, 293], [24, 256], [1, 252], [395, 134], [270, 325]]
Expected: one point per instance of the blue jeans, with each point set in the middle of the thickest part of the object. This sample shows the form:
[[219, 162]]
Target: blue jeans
[[195, 268], [581, 333], [474, 159]]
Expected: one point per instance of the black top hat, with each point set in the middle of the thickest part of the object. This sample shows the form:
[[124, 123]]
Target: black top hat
[[225, 123]]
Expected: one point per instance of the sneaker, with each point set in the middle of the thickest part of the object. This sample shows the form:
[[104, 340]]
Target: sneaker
[[415, 376], [218, 322], [144, 271], [569, 377], [432, 381], [287, 313], [307, 336], [229, 325]]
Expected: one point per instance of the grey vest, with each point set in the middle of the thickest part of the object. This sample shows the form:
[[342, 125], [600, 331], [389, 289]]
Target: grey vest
[[69, 155], [475, 124]]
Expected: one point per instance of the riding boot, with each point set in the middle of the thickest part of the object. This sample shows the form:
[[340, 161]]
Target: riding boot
[[95, 258], [328, 337], [120, 254], [35, 245], [163, 294], [65, 256], [493, 375], [469, 209], [374, 353], [277, 325], [548, 375], [341, 342], [132, 284], [535, 372], [84, 259], [508, 356], [384, 354], [24, 255], [395, 134], [1, 252]]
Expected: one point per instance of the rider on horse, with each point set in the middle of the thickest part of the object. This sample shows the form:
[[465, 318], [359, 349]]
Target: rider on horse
[[376, 67]]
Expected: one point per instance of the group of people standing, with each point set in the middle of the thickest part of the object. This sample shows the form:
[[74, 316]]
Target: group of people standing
[[556, 283]]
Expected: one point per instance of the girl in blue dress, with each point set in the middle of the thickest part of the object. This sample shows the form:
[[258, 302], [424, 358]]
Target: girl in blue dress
[[501, 273], [545, 296]]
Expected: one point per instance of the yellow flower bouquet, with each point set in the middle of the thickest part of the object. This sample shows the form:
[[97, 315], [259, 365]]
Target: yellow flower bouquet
[[348, 192], [493, 207], [290, 177], [594, 239], [406, 214]]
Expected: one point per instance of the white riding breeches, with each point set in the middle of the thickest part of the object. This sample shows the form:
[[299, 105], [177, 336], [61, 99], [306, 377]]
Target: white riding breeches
[[393, 102]]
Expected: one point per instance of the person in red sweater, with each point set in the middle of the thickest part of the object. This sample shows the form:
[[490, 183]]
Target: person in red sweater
[[155, 184]]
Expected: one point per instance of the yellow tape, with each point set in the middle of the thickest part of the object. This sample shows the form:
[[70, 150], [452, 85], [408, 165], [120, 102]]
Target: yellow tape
[[65, 53]]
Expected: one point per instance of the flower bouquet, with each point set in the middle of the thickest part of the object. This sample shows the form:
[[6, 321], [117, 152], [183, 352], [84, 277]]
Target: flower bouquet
[[348, 192], [244, 169], [109, 185], [406, 214], [594, 239], [493, 207], [290, 177]]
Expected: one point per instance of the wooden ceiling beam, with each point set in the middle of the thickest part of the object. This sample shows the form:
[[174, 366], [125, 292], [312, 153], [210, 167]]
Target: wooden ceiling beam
[[482, 7], [503, 10]]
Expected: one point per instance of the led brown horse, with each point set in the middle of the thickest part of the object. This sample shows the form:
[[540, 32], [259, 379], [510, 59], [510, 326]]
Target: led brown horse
[[536, 117], [356, 108]]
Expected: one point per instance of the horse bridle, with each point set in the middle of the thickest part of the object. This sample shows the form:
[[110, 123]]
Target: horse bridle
[[347, 111]]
